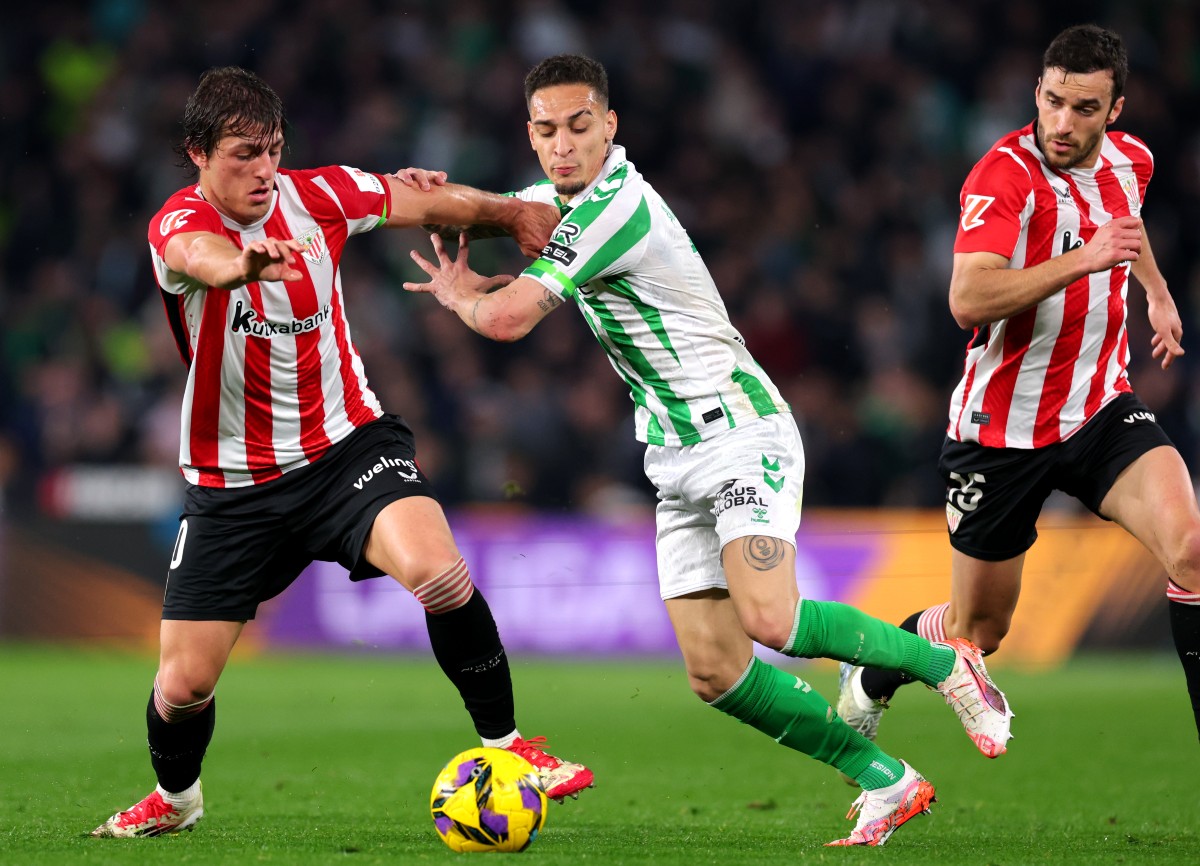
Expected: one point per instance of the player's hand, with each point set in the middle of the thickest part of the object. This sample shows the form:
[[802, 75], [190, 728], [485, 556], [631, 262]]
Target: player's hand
[[1168, 329], [1118, 240], [452, 281], [534, 225], [420, 178], [270, 259]]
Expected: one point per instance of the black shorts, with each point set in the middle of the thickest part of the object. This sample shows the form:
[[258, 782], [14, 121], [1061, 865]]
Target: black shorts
[[994, 495], [240, 546]]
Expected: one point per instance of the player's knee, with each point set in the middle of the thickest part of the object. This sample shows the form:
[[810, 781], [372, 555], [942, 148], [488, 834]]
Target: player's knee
[[181, 683], [1184, 568], [767, 627], [709, 681], [705, 688]]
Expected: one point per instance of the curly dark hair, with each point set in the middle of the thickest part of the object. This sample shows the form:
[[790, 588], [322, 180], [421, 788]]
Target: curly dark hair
[[229, 100], [1088, 48], [568, 69]]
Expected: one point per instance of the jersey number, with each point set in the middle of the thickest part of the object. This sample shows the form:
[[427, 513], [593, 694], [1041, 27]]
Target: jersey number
[[966, 497]]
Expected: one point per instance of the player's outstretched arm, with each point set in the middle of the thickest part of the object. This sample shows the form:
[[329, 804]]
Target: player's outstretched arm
[[1160, 306], [499, 308], [984, 289], [216, 261], [425, 179], [447, 204]]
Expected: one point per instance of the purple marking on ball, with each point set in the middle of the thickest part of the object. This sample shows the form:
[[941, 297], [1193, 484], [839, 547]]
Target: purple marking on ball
[[464, 772], [494, 821], [443, 824], [531, 800]]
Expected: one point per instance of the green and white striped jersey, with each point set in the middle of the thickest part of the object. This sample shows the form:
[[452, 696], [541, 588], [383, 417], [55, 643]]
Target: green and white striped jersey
[[649, 299]]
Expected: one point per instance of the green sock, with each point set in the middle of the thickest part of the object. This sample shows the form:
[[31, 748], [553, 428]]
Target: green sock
[[829, 629], [786, 708]]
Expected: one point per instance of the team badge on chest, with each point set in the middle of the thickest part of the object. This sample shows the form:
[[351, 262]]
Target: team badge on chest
[[1130, 185], [315, 249]]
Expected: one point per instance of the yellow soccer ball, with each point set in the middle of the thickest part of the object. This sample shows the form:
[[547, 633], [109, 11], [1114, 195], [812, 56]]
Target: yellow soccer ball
[[488, 799]]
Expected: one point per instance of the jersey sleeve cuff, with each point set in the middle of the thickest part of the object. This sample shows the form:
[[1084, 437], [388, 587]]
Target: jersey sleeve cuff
[[550, 276]]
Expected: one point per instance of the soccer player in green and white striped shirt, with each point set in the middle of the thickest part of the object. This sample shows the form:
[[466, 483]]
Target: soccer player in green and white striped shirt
[[722, 449]]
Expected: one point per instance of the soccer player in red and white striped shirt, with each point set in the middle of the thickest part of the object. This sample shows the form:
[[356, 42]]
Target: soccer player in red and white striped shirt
[[288, 454], [1049, 233]]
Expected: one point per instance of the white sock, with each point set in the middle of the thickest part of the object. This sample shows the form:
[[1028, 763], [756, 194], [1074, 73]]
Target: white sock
[[898, 786], [503, 742], [182, 798]]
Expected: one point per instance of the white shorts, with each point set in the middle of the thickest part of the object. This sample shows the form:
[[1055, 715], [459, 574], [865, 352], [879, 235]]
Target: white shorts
[[744, 481]]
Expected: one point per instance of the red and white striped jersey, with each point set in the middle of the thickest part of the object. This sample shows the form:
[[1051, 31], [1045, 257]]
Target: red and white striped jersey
[[273, 376], [1035, 378]]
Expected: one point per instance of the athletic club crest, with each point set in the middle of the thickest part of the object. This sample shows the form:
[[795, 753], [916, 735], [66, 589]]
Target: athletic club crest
[[1130, 185], [953, 517], [314, 248]]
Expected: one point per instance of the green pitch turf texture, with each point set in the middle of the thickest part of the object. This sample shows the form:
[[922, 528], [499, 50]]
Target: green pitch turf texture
[[329, 760]]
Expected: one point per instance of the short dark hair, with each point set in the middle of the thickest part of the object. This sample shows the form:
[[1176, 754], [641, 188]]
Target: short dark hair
[[1088, 48], [568, 69], [229, 100]]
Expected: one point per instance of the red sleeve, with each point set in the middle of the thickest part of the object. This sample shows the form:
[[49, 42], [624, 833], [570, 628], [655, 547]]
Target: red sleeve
[[991, 203], [340, 193], [184, 212]]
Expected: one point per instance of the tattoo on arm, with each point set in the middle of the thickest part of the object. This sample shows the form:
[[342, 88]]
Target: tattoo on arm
[[474, 322], [762, 552], [549, 301]]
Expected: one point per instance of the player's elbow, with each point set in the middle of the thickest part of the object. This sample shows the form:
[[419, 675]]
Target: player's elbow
[[505, 329], [963, 315], [966, 312], [508, 334]]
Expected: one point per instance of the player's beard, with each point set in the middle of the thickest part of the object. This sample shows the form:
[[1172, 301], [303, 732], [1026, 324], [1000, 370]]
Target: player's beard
[[1087, 151], [569, 189]]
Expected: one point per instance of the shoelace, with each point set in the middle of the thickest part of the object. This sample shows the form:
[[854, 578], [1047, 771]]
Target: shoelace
[[857, 805], [532, 752], [960, 704], [153, 806]]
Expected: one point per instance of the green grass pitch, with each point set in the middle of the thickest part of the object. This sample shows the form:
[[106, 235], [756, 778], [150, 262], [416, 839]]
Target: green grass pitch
[[329, 760]]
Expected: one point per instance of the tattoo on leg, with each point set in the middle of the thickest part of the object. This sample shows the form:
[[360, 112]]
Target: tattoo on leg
[[763, 552]]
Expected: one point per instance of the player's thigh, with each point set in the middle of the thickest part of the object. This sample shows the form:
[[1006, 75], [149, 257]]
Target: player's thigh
[[757, 511], [983, 597], [1154, 500], [192, 655], [715, 649], [411, 541], [761, 573]]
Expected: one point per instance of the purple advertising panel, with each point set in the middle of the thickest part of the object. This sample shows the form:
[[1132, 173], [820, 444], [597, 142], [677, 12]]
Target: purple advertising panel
[[555, 585]]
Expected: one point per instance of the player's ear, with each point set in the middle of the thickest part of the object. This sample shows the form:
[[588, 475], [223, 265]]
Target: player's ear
[[1115, 111], [198, 157], [610, 126]]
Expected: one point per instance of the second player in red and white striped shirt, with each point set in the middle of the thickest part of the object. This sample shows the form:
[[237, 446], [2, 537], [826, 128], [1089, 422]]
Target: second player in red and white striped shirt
[[1037, 376]]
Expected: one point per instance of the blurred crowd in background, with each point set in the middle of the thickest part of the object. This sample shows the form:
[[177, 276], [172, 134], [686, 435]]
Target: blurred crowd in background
[[814, 149]]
